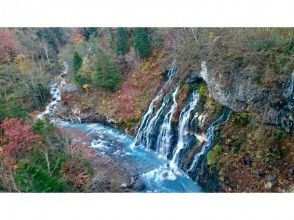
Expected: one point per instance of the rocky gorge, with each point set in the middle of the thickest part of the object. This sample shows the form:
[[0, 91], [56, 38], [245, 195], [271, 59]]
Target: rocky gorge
[[176, 109]]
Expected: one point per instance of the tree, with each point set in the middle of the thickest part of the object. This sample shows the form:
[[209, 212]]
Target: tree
[[17, 136], [50, 40], [106, 74], [141, 42], [8, 46], [122, 41], [87, 32], [77, 62]]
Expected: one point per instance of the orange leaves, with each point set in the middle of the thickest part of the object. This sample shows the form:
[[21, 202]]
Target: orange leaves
[[76, 36], [76, 173]]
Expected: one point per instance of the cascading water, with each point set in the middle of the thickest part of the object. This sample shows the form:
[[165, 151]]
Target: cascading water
[[185, 115], [55, 92], [198, 158], [147, 122], [164, 138], [157, 132]]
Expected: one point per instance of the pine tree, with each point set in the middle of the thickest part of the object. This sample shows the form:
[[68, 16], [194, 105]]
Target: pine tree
[[106, 74], [141, 42], [122, 41], [77, 62]]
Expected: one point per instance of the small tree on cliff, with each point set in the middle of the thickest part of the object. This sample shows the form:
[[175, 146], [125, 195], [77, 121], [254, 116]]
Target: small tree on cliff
[[141, 42]]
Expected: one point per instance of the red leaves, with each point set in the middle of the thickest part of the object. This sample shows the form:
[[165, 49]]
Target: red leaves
[[17, 136], [9, 44]]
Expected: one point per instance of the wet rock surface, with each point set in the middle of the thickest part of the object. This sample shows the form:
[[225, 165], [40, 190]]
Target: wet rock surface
[[236, 88]]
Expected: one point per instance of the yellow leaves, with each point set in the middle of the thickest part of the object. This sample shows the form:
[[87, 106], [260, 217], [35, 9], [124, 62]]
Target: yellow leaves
[[138, 113], [23, 63], [86, 88]]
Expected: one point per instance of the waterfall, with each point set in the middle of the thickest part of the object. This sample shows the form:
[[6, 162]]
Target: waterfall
[[164, 138], [55, 91], [151, 126], [156, 130], [183, 128], [147, 122], [223, 118]]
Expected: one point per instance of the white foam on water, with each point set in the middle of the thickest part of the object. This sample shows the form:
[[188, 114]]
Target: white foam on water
[[161, 174], [99, 144]]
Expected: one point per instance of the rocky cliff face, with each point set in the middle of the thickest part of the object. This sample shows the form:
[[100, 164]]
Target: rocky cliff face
[[237, 89]]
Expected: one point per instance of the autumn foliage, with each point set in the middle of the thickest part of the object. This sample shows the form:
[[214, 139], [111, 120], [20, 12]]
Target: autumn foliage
[[17, 136], [8, 46], [76, 36]]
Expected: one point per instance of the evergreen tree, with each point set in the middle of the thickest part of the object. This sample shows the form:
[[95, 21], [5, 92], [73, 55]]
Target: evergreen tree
[[141, 42], [122, 41], [106, 74], [77, 62]]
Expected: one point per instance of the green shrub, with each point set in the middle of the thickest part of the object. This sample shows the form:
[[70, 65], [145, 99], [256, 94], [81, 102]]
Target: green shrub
[[202, 90], [107, 74], [43, 126], [141, 42], [235, 143], [33, 177], [11, 108], [241, 118], [278, 134], [213, 153]]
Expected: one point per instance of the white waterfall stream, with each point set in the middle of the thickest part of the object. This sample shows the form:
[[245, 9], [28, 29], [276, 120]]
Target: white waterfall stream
[[164, 138], [147, 122], [55, 91], [223, 118], [183, 128], [156, 129]]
